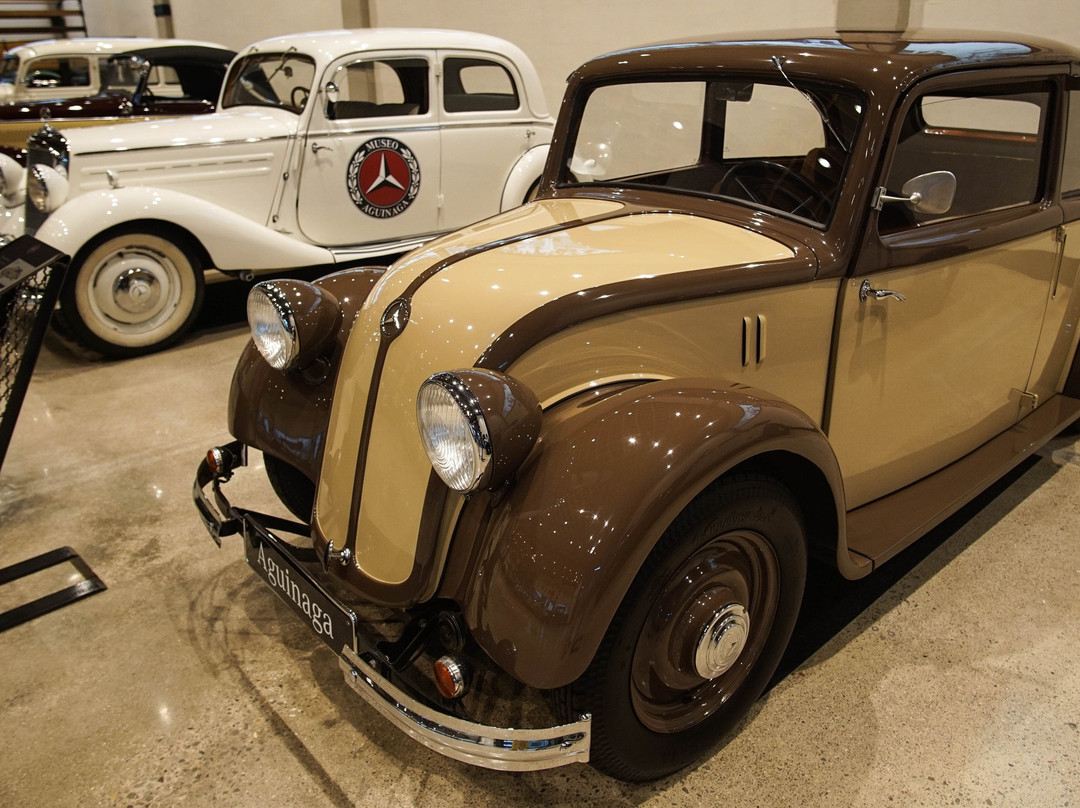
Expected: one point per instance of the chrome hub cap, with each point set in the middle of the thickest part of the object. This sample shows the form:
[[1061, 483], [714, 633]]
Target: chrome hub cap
[[722, 641], [136, 291]]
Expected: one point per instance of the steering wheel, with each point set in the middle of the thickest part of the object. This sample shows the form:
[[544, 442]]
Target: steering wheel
[[773, 185], [304, 93]]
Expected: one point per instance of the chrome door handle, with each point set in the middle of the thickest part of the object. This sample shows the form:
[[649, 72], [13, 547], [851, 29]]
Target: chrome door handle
[[866, 290], [316, 148]]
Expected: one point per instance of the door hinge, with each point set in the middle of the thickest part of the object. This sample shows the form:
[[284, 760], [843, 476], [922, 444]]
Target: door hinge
[[1028, 401]]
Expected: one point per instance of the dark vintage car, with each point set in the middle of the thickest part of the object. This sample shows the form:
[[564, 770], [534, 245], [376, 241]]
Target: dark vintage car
[[150, 82], [778, 301]]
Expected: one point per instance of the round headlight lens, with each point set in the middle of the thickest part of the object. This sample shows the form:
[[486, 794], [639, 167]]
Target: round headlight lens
[[273, 329], [453, 431]]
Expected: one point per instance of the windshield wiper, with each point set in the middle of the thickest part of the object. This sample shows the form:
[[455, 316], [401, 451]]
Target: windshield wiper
[[281, 64]]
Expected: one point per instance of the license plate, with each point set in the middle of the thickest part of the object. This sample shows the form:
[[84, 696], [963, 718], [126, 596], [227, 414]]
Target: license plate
[[333, 623]]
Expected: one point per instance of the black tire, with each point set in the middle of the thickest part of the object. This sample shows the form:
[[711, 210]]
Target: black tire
[[132, 294], [294, 490], [720, 592]]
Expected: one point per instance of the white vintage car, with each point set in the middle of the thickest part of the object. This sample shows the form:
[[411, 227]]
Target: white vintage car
[[327, 149], [63, 68]]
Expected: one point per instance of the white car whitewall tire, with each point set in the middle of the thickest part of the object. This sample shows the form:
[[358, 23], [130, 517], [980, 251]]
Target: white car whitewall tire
[[132, 294]]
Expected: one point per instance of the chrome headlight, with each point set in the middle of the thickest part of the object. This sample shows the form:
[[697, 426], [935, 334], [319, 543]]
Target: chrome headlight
[[47, 187], [12, 177], [291, 321], [477, 427]]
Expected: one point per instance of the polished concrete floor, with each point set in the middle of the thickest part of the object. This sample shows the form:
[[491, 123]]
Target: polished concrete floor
[[952, 678]]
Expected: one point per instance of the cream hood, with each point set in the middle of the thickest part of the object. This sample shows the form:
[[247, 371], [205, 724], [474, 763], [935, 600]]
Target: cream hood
[[466, 293]]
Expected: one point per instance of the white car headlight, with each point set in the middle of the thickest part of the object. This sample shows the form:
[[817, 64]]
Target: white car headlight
[[47, 187], [477, 427], [291, 321], [12, 177]]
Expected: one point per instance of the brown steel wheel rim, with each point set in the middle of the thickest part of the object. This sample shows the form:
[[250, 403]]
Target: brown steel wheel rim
[[729, 584]]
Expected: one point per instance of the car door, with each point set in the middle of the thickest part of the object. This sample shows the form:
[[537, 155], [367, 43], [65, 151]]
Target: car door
[[485, 129], [937, 329], [1059, 333], [370, 166]]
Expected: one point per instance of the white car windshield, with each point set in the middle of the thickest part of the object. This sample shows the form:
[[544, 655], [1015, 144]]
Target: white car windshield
[[270, 80], [761, 142]]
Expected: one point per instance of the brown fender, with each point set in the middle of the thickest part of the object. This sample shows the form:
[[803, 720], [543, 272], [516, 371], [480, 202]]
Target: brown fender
[[286, 414], [553, 559]]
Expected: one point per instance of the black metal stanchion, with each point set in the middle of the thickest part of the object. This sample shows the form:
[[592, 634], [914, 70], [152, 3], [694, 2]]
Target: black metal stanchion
[[31, 274]]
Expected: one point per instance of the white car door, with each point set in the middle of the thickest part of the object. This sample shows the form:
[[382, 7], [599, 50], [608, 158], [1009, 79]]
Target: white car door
[[486, 127], [370, 167]]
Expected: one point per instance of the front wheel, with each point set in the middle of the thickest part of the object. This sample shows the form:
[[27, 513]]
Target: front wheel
[[700, 632], [132, 294]]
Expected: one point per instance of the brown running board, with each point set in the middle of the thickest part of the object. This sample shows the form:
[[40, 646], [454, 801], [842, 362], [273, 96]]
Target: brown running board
[[879, 530]]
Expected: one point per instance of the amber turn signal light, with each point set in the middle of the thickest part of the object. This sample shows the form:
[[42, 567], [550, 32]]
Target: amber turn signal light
[[219, 461], [451, 677]]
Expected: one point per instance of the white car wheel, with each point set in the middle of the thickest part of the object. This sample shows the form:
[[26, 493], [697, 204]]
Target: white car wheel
[[133, 294]]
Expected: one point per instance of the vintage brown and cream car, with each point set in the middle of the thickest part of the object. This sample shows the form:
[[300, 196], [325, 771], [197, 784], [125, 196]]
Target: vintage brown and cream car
[[778, 300]]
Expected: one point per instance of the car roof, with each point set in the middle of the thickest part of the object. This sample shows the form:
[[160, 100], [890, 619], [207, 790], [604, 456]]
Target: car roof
[[177, 55], [105, 47], [326, 46], [875, 61]]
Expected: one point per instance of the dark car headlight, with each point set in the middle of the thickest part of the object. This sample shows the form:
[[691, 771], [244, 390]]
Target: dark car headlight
[[477, 427], [291, 321]]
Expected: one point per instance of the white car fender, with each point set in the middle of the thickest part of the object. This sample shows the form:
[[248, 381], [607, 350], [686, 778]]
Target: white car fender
[[233, 241], [525, 172]]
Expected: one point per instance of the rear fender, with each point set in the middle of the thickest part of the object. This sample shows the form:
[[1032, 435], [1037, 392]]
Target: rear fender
[[525, 173], [553, 559]]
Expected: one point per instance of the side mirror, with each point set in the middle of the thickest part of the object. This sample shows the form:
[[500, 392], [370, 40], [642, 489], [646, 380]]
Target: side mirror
[[926, 193], [332, 92]]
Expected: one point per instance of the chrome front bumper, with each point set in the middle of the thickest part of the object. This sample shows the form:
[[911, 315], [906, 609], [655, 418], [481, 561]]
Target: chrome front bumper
[[505, 749]]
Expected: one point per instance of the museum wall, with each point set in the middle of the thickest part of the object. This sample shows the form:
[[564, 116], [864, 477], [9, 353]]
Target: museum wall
[[233, 23], [560, 34]]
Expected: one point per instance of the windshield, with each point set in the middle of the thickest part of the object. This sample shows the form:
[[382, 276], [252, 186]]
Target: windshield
[[760, 142], [122, 75], [270, 80], [9, 69]]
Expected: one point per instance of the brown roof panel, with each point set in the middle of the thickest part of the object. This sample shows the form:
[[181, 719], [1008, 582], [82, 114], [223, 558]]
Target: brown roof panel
[[874, 61]]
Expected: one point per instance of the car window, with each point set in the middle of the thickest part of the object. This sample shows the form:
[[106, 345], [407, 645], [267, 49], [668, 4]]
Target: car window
[[1070, 171], [58, 72], [990, 138], [120, 75], [376, 88], [477, 85], [9, 69], [164, 82], [760, 143]]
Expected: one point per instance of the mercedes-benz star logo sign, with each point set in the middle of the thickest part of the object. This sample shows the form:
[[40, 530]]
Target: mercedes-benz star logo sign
[[383, 177]]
